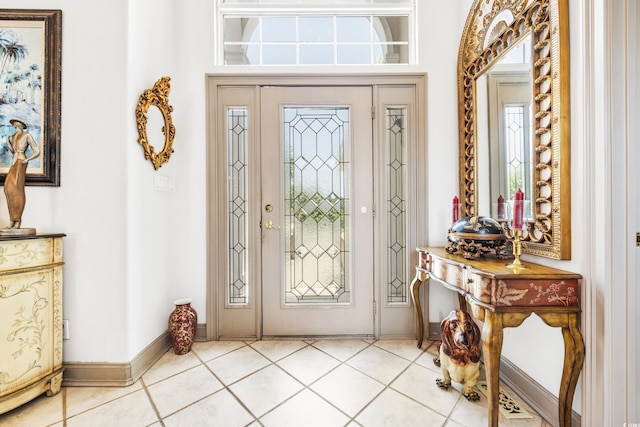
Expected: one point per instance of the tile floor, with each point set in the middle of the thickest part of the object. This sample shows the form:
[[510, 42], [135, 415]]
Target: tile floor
[[273, 383]]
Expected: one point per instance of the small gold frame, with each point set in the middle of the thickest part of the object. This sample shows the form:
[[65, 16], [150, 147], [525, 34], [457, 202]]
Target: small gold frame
[[157, 96]]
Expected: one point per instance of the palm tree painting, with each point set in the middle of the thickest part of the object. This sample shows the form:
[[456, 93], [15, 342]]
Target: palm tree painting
[[21, 58], [30, 63]]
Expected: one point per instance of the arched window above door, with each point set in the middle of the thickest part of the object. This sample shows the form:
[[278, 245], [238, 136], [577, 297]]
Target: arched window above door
[[304, 32]]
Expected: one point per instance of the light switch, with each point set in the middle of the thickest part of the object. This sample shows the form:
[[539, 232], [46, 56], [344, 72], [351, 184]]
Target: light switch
[[164, 183]]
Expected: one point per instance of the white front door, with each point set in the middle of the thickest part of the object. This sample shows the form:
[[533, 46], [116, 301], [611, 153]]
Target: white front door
[[317, 197], [316, 154]]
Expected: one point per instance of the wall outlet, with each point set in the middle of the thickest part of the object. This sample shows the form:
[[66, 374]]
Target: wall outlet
[[65, 329]]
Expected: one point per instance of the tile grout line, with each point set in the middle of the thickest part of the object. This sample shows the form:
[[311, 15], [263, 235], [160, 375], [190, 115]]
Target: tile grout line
[[388, 386], [153, 404], [308, 387], [309, 343], [227, 387]]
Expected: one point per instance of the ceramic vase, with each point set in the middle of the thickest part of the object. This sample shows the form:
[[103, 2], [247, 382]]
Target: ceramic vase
[[182, 326]]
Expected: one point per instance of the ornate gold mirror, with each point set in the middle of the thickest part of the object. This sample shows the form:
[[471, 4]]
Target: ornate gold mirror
[[158, 96], [513, 89]]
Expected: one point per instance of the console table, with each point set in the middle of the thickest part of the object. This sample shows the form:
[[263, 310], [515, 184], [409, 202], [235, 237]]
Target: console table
[[31, 318], [501, 298]]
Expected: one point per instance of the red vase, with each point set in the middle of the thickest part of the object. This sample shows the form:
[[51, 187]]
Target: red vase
[[182, 326]]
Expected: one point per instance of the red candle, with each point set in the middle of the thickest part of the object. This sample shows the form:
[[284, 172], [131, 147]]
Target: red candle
[[501, 207], [456, 208], [518, 208]]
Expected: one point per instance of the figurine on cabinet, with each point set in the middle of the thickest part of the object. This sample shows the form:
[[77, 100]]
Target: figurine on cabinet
[[18, 143]]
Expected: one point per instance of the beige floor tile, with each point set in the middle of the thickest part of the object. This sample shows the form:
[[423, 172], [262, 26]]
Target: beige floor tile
[[275, 350], [169, 364], [472, 414], [378, 363], [211, 349], [265, 389], [420, 384], [131, 410], [40, 412], [183, 389], [80, 399], [403, 348], [451, 423], [238, 364], [347, 389], [391, 409], [305, 409], [308, 364], [341, 349], [426, 359], [219, 409]]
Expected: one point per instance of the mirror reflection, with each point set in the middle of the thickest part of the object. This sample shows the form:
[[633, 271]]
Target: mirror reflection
[[504, 128], [155, 128]]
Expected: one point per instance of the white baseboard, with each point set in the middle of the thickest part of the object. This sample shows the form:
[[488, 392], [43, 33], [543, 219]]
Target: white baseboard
[[91, 374]]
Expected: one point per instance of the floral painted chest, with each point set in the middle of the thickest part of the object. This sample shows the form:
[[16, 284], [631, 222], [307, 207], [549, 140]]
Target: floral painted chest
[[30, 318]]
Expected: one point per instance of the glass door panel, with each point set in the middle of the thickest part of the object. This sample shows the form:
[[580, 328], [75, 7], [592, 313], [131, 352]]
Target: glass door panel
[[317, 221]]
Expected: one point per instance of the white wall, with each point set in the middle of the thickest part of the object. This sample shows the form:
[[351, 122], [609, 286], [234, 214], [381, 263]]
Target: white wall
[[130, 251], [534, 347], [89, 205], [440, 35], [153, 226], [611, 66]]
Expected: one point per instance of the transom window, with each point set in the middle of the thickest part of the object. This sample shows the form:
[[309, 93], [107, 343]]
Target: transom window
[[299, 32]]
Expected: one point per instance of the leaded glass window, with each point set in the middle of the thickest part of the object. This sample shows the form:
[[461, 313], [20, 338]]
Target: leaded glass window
[[396, 170], [237, 194], [517, 147], [317, 205]]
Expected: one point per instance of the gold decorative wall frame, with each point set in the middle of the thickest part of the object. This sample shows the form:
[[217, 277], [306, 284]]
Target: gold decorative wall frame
[[487, 36], [158, 96]]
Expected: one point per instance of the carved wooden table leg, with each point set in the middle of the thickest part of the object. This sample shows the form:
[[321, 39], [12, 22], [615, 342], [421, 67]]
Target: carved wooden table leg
[[462, 301], [421, 276], [492, 334], [491, 349], [573, 360]]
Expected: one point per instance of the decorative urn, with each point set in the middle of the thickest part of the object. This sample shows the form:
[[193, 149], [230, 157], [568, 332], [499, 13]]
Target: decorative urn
[[182, 326], [474, 236]]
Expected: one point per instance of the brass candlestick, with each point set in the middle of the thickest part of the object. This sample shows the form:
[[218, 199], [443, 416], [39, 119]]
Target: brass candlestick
[[517, 250]]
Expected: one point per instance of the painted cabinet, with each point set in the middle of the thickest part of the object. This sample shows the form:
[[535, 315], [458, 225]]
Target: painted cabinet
[[30, 318]]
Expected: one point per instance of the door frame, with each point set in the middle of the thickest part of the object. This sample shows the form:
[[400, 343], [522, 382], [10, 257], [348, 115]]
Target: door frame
[[216, 181]]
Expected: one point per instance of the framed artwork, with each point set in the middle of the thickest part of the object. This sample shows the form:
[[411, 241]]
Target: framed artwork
[[30, 71]]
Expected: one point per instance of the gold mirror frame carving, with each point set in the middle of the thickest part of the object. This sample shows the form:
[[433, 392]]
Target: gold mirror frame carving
[[485, 38], [157, 96]]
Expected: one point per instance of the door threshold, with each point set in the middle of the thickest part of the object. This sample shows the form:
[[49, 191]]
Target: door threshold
[[316, 337]]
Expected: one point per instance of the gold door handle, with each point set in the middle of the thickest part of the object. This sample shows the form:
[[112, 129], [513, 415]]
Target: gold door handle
[[268, 224]]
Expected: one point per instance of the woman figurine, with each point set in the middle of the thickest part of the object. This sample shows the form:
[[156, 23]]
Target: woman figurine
[[14, 182]]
